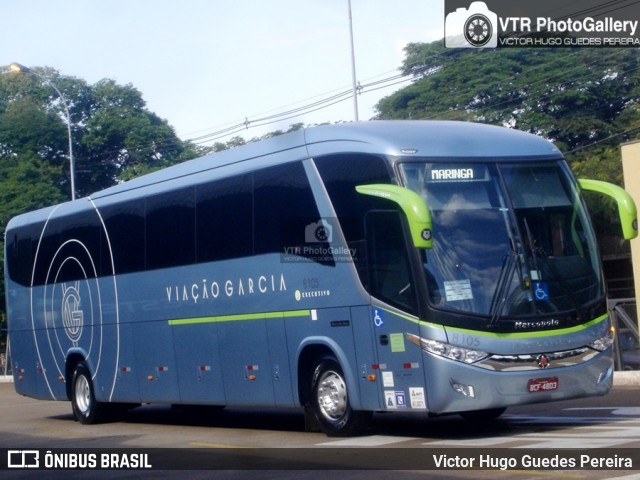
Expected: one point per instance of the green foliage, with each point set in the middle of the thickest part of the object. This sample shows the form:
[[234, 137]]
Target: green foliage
[[239, 141], [115, 137], [584, 100]]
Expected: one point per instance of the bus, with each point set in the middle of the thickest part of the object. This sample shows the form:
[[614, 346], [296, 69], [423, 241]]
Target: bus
[[435, 267]]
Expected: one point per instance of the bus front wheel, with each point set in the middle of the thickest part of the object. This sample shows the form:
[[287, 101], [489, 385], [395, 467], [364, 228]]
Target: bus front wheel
[[86, 408], [330, 401]]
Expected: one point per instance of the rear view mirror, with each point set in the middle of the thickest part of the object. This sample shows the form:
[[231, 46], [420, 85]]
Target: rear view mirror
[[626, 205], [413, 206]]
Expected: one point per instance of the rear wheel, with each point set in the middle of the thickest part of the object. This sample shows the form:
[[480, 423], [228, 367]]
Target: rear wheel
[[330, 401], [83, 400]]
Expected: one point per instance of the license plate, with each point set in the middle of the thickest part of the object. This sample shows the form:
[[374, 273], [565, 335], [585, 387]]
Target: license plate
[[542, 384]]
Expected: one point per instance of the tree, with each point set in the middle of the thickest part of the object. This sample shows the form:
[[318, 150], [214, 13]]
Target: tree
[[581, 99], [114, 136]]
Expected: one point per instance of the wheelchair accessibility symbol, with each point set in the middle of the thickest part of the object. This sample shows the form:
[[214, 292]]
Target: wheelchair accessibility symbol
[[541, 291], [377, 317]]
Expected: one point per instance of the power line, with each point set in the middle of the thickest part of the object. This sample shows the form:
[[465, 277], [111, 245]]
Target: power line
[[376, 83], [602, 140], [607, 7], [312, 107]]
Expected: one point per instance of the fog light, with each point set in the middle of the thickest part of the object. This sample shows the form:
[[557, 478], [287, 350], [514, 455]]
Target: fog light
[[466, 390]]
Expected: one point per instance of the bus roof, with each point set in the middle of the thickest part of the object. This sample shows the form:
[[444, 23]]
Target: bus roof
[[428, 138], [400, 138]]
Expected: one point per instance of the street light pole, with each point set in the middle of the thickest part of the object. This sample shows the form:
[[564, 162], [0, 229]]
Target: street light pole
[[18, 68], [353, 67]]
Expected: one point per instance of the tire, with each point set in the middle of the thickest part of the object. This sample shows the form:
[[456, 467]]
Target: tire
[[83, 399], [330, 401]]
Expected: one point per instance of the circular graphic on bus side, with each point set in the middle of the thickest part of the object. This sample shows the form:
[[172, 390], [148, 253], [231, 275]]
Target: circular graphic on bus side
[[74, 306]]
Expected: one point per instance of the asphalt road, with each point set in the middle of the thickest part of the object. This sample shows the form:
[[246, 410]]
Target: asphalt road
[[248, 438]]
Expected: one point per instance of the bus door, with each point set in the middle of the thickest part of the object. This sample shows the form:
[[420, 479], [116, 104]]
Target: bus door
[[394, 310]]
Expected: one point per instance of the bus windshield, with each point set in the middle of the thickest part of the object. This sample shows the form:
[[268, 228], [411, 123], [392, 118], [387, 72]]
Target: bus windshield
[[510, 239]]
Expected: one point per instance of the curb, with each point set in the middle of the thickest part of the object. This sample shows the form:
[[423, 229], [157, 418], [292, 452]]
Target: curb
[[626, 378]]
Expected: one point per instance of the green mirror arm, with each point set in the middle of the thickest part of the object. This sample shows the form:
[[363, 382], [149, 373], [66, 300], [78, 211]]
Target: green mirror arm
[[626, 205], [413, 206]]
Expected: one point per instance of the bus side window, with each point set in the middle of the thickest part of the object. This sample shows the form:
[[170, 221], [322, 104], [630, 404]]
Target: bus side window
[[284, 207], [389, 268], [340, 175], [125, 224], [224, 219], [20, 246], [170, 229]]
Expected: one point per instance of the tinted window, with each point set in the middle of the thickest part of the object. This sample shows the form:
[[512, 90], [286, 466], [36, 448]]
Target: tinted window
[[125, 224], [170, 229], [340, 175], [224, 224], [70, 249], [389, 268], [262, 212], [80, 240], [19, 259], [286, 215]]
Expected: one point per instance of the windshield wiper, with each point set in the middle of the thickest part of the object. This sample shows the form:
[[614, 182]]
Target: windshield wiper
[[536, 253], [504, 280]]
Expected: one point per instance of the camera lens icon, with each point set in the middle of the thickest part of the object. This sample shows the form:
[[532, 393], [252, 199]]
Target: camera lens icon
[[478, 30], [320, 231], [474, 27]]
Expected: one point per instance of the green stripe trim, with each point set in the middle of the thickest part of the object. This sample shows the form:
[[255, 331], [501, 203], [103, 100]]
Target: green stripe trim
[[401, 315], [510, 335], [533, 334], [240, 317]]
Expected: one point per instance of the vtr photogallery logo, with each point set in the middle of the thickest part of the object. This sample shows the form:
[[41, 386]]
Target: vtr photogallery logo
[[473, 27], [543, 23]]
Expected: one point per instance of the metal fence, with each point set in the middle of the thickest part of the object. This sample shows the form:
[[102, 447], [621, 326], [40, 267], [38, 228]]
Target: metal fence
[[627, 342]]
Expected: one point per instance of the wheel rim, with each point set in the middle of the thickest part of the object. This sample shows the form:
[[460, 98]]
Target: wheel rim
[[332, 396], [83, 394]]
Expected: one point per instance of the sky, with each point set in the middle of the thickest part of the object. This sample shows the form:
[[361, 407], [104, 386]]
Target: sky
[[205, 65]]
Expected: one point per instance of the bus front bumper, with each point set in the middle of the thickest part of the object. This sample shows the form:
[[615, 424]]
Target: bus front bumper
[[457, 387]]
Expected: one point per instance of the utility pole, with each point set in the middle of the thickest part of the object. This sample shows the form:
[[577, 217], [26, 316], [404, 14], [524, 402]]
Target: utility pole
[[353, 67]]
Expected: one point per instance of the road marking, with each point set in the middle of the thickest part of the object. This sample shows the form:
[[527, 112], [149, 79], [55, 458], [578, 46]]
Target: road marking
[[550, 441], [611, 435], [629, 411], [370, 441], [474, 442], [216, 445], [565, 420]]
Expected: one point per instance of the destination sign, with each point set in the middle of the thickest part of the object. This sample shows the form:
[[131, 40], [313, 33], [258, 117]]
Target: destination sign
[[457, 173]]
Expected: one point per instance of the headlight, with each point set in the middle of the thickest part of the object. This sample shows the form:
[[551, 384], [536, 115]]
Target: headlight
[[604, 342], [447, 350]]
